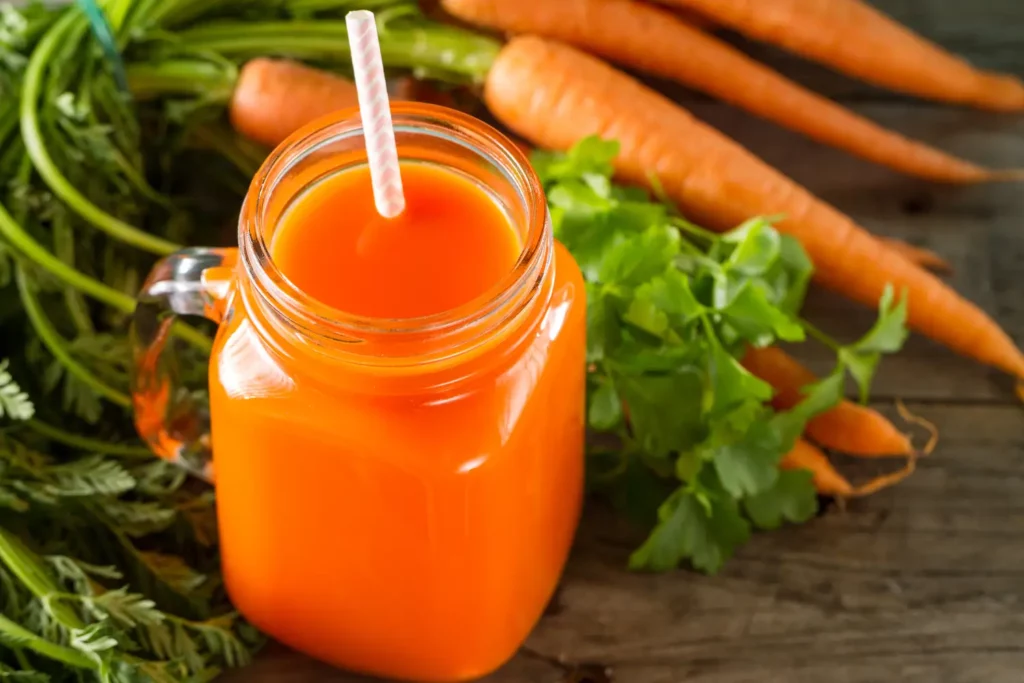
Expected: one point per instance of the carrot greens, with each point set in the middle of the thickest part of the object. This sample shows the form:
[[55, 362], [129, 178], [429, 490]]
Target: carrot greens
[[695, 449]]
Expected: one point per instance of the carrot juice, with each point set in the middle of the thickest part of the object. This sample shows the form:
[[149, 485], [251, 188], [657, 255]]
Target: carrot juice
[[452, 244], [398, 405]]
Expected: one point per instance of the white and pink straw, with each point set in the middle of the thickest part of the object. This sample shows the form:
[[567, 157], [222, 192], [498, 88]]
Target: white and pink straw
[[375, 110]]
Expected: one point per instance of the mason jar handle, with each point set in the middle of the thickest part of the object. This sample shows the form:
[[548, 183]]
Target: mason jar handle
[[194, 281]]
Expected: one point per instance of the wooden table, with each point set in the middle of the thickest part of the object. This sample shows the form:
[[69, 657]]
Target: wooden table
[[924, 583]]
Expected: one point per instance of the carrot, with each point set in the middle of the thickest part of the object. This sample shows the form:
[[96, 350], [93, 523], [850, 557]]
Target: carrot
[[694, 19], [652, 40], [273, 98], [830, 482], [554, 95], [827, 480], [848, 427], [858, 40], [926, 258]]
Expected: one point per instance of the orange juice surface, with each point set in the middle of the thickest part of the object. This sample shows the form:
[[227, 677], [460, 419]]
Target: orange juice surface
[[450, 245], [377, 517]]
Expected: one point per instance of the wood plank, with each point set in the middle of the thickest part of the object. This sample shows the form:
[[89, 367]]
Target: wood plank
[[985, 32], [976, 228], [278, 665], [924, 583]]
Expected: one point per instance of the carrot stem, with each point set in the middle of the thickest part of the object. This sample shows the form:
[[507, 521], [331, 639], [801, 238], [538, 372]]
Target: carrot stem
[[57, 346], [212, 81], [448, 52], [820, 335], [16, 235], [35, 144], [86, 443], [27, 639]]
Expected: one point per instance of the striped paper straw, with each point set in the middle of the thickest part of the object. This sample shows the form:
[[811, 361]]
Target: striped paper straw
[[375, 110]]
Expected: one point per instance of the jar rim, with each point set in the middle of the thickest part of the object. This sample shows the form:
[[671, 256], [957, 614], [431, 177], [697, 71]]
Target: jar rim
[[324, 321]]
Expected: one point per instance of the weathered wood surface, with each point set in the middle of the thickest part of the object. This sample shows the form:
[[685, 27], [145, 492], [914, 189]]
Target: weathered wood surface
[[921, 584]]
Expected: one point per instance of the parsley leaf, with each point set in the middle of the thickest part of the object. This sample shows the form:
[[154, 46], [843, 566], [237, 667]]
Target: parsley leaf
[[671, 309], [664, 304], [890, 330], [686, 529], [819, 397], [605, 411], [603, 324], [665, 410], [757, 247], [637, 259], [886, 336], [746, 461], [795, 270], [791, 499], [732, 384], [757, 319], [592, 155]]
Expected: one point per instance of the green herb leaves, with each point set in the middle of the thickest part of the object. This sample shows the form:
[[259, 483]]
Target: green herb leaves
[[149, 615], [664, 409], [887, 336], [705, 532], [14, 403], [790, 499], [671, 310]]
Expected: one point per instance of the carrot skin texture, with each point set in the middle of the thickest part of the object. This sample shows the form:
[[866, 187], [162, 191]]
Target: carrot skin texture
[[553, 95], [652, 40], [827, 481], [693, 19], [926, 258], [854, 38], [848, 427], [275, 97]]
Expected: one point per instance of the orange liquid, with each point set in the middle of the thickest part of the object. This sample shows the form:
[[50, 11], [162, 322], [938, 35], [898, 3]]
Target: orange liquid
[[451, 244], [400, 528]]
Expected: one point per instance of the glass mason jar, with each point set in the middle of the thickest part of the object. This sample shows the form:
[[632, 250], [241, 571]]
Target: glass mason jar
[[396, 497]]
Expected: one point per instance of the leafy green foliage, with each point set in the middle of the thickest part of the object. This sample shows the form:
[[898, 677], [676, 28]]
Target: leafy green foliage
[[790, 499], [14, 403], [141, 610], [886, 336], [705, 532], [671, 310]]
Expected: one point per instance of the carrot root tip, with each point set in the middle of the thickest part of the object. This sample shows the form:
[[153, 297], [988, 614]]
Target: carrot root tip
[[927, 425], [886, 480], [1012, 175]]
